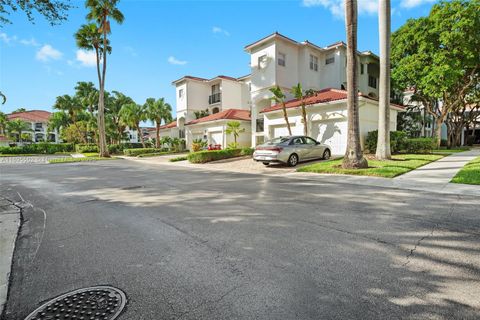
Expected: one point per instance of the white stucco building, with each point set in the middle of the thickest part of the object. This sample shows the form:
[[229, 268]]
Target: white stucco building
[[38, 120], [277, 60]]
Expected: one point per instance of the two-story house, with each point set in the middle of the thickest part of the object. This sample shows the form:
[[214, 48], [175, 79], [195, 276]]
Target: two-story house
[[277, 60], [217, 100], [38, 120]]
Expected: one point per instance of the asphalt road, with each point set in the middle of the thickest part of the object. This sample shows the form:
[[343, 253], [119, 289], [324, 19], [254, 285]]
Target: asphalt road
[[190, 244]]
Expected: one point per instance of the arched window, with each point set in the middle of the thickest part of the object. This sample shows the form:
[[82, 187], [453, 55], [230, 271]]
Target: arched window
[[215, 110]]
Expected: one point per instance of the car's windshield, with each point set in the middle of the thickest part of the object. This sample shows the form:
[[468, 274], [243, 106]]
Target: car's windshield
[[278, 140]]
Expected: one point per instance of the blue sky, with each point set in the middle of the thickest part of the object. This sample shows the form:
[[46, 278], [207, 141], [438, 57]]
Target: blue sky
[[161, 41]]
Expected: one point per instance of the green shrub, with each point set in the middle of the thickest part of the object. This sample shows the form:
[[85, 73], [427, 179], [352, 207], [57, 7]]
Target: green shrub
[[183, 158], [247, 151], [213, 155], [38, 148], [419, 145], [86, 148], [139, 151], [397, 140]]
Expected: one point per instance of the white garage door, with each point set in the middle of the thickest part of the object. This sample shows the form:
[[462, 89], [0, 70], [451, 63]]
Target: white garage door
[[333, 133], [279, 131], [216, 138]]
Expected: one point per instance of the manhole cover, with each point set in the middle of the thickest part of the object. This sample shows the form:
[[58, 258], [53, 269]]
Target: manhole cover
[[94, 303]]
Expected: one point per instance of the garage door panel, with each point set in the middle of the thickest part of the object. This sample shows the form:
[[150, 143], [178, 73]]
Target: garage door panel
[[332, 133], [280, 131]]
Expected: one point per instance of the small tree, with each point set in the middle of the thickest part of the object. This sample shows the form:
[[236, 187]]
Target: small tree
[[16, 127], [234, 128], [158, 110], [132, 114], [297, 92], [279, 97]]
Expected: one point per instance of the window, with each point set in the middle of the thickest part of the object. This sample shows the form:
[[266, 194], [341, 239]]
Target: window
[[313, 63], [330, 60], [262, 61], [361, 68], [180, 93], [310, 141], [297, 141], [372, 82], [38, 126], [281, 59], [215, 110]]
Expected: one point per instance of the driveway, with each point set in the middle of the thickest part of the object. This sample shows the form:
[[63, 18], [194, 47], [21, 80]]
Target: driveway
[[192, 244]]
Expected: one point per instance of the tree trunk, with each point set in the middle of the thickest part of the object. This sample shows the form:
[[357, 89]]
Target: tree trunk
[[383, 142], [304, 115], [157, 142], [139, 132], [438, 131], [285, 116], [102, 141], [353, 157]]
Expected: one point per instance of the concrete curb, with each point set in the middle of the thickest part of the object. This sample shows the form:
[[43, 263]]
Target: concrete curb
[[10, 218]]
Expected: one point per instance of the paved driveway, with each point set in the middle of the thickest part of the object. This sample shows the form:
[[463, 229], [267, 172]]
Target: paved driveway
[[191, 244]]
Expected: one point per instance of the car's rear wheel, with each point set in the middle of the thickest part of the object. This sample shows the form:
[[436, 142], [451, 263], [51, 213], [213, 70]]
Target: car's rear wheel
[[292, 160], [266, 163], [326, 154]]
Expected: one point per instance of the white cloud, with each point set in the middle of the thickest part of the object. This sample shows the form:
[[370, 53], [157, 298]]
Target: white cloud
[[32, 42], [4, 37], [86, 58], [173, 60], [218, 30], [414, 3], [47, 52], [337, 7], [131, 51]]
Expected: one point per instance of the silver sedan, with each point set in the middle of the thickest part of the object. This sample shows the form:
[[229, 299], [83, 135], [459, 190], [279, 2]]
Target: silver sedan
[[291, 150]]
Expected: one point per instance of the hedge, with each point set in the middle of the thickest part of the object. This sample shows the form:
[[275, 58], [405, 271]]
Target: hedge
[[213, 155], [86, 148], [397, 140], [139, 151], [38, 148], [419, 145]]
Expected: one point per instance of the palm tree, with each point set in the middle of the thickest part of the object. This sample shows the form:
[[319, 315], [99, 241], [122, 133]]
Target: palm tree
[[353, 156], [158, 110], [279, 97], [72, 106], [58, 120], [132, 114], [3, 122], [87, 94], [4, 97], [233, 127], [118, 100], [101, 12], [384, 22], [298, 93], [17, 126]]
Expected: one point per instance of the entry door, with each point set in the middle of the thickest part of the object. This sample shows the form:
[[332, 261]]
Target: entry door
[[216, 138]]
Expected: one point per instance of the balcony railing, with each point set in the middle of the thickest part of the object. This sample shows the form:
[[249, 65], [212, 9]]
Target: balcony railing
[[214, 98]]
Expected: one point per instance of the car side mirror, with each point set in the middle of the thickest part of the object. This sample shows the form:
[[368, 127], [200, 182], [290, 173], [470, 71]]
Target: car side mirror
[[317, 142]]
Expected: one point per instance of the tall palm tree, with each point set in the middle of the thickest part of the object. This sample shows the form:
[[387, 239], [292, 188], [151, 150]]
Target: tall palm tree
[[58, 120], [132, 114], [101, 12], [279, 97], [384, 22], [233, 128], [16, 127], [298, 93], [158, 110], [353, 157]]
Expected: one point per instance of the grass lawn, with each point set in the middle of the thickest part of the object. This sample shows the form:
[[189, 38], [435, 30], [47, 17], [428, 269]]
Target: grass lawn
[[69, 160], [446, 151], [178, 159], [157, 154], [399, 164], [470, 174]]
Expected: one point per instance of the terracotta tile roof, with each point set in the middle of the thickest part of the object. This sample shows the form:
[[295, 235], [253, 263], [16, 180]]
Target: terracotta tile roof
[[4, 138], [323, 96], [229, 114], [31, 116], [170, 125]]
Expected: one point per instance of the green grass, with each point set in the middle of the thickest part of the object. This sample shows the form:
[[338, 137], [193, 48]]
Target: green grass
[[157, 154], [20, 155], [70, 160], [470, 173], [178, 159], [446, 151], [399, 164], [90, 154]]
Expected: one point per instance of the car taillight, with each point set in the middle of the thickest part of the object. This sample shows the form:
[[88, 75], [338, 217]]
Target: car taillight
[[276, 149]]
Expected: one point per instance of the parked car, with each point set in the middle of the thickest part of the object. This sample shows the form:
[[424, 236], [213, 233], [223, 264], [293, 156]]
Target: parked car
[[291, 150]]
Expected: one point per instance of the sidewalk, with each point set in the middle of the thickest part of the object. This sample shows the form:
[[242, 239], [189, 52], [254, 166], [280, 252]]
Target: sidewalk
[[9, 223]]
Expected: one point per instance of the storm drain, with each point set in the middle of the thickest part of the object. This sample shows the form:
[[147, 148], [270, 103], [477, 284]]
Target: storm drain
[[94, 303]]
